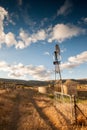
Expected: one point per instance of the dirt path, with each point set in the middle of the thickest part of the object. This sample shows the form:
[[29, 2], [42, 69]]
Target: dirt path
[[15, 114]]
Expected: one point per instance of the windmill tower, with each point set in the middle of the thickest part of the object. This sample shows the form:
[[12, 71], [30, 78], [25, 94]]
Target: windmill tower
[[56, 62]]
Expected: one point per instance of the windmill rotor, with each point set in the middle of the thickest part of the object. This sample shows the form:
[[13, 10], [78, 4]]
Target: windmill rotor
[[57, 54]]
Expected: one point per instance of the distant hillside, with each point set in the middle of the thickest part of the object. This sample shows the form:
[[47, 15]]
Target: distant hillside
[[78, 81], [39, 83], [82, 81], [24, 82]]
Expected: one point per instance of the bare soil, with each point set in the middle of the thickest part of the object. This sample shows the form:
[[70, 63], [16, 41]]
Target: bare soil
[[27, 109]]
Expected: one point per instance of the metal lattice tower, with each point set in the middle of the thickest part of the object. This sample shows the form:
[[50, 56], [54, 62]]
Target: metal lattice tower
[[56, 62]]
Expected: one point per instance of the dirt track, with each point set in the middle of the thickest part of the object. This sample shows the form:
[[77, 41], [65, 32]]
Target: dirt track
[[26, 109]]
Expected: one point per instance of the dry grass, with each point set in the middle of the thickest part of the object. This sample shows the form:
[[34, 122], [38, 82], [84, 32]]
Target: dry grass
[[26, 109]]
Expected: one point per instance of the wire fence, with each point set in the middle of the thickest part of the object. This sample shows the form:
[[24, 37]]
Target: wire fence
[[70, 109]]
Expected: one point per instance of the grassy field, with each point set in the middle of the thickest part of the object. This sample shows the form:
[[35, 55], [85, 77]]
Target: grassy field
[[26, 109]]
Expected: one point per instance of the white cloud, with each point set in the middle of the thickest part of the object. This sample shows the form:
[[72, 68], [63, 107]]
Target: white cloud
[[75, 61], [19, 70], [3, 14], [20, 44], [40, 35], [2, 38], [65, 9], [68, 65], [27, 39], [81, 58], [10, 39], [61, 32], [40, 72], [37, 72], [2, 65]]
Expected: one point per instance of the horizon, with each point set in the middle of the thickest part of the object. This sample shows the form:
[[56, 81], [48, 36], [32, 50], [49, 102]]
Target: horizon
[[39, 80]]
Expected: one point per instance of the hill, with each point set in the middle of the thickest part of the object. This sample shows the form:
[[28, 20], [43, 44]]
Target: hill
[[24, 82]]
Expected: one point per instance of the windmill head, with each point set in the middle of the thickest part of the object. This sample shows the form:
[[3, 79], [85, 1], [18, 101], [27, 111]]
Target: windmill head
[[57, 49]]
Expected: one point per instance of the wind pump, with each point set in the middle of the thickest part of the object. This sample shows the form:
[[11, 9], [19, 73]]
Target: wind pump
[[56, 62]]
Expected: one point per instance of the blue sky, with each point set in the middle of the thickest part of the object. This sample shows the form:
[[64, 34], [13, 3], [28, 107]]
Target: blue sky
[[29, 31]]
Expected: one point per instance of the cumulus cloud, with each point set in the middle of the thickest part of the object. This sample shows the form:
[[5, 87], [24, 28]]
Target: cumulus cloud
[[40, 35], [10, 39], [27, 39], [37, 72], [40, 72], [75, 61], [24, 39], [65, 9], [20, 70], [3, 14], [61, 32], [3, 66], [81, 58], [20, 44]]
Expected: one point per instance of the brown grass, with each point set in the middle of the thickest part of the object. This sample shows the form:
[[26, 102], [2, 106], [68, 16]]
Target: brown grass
[[26, 109]]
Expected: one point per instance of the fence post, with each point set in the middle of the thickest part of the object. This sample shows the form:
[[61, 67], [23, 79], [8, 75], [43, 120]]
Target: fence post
[[75, 110]]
